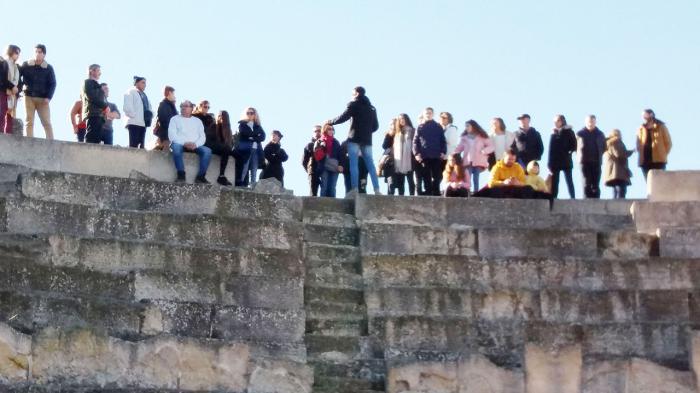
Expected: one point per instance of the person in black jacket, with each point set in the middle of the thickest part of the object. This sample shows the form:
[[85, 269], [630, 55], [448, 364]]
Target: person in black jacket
[[251, 135], [430, 148], [528, 142], [591, 147], [219, 137], [94, 105], [364, 123], [274, 157], [310, 164], [39, 82], [562, 144], [166, 111]]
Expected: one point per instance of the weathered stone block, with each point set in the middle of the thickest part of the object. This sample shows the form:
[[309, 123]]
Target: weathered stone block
[[663, 186], [679, 242], [650, 216], [476, 374], [547, 371], [406, 211], [416, 271], [635, 375], [15, 355], [429, 302], [508, 242], [414, 239]]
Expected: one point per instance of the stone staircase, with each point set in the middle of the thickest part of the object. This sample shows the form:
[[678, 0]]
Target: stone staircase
[[344, 358]]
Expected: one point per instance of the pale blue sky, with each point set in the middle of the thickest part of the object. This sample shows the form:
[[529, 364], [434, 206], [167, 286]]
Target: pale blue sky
[[296, 61]]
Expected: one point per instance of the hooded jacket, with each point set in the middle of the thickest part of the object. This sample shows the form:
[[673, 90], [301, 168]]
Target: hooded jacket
[[616, 166], [364, 120], [562, 144]]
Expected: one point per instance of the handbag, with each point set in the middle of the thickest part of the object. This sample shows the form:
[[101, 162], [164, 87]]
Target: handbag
[[331, 165]]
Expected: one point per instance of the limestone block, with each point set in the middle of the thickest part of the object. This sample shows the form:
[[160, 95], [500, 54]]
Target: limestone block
[[650, 216], [15, 355], [673, 186], [509, 242], [268, 376], [627, 244], [679, 242], [476, 374], [553, 371], [415, 239], [425, 377], [635, 375]]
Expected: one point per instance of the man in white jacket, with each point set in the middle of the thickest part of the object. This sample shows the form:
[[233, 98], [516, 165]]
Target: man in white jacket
[[451, 132], [138, 113], [186, 133]]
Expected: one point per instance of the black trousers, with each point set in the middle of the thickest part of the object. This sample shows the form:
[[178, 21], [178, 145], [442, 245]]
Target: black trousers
[[569, 182], [591, 179], [398, 181], [222, 151], [654, 165], [432, 175], [314, 184], [619, 188], [456, 192], [137, 136], [94, 129]]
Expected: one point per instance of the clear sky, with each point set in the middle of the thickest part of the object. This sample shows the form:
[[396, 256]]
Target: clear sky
[[297, 61]]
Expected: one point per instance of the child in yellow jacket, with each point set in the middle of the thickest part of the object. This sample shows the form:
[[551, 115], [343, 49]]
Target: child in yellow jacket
[[533, 178]]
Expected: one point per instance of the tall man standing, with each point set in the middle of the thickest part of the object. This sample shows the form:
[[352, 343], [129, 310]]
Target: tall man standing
[[591, 146], [430, 149], [528, 144], [138, 113], [39, 83], [94, 105]]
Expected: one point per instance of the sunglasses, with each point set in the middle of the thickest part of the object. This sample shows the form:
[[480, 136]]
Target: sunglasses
[[206, 107], [250, 113]]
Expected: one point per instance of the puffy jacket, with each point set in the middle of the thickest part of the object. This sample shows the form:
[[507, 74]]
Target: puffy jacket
[[660, 143], [37, 80], [274, 157], [528, 145], [591, 146], [429, 141], [562, 144], [616, 166], [93, 98], [476, 153], [364, 120]]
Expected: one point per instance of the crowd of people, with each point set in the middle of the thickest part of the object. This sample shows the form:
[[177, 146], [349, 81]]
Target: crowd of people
[[433, 158]]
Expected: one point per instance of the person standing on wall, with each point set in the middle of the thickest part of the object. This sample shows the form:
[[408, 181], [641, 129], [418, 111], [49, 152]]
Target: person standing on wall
[[110, 116], [653, 143], [364, 123], [94, 105], [617, 172], [501, 139], [310, 164], [251, 135], [475, 146], [274, 157], [591, 147], [166, 111], [138, 113], [9, 90], [429, 147], [403, 156], [452, 134], [528, 142], [77, 121], [38, 81], [562, 144]]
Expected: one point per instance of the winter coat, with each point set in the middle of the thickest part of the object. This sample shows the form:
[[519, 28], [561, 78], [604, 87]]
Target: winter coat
[[528, 145], [364, 120], [429, 141], [616, 162], [166, 111], [476, 151], [308, 161], [591, 146], [562, 144], [93, 99], [660, 143], [249, 136], [134, 108], [37, 80], [274, 157]]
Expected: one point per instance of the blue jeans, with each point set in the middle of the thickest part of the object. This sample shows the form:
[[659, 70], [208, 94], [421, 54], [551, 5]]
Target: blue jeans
[[328, 181], [203, 152], [474, 172], [250, 168], [353, 153]]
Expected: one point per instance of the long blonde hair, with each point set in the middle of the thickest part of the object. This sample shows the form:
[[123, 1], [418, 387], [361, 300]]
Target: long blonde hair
[[244, 115]]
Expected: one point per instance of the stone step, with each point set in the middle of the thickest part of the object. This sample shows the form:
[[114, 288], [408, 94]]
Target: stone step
[[650, 216], [29, 216], [679, 242], [330, 276], [336, 311], [340, 258], [484, 275], [618, 207], [329, 219], [335, 327], [130, 194], [592, 222], [331, 205], [368, 369], [112, 255], [343, 385], [331, 235], [333, 295]]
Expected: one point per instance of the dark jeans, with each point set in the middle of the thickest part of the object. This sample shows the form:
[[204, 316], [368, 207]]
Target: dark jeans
[[432, 175], [591, 179], [328, 182], [569, 182], [397, 182], [95, 124], [456, 192], [314, 184], [242, 157], [222, 151], [654, 165], [203, 152], [80, 135], [108, 136], [137, 136]]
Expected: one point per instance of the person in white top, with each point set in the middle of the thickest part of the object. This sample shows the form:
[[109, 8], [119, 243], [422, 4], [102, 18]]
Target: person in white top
[[186, 133], [139, 113], [451, 132], [500, 139]]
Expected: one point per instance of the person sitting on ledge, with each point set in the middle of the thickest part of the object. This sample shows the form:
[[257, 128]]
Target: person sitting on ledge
[[457, 178], [533, 178], [508, 181], [186, 133]]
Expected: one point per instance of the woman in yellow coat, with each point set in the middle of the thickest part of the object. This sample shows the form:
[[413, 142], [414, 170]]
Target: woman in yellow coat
[[653, 143]]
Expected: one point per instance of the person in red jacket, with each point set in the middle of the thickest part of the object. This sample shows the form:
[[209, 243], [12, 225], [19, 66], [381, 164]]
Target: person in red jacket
[[327, 156]]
